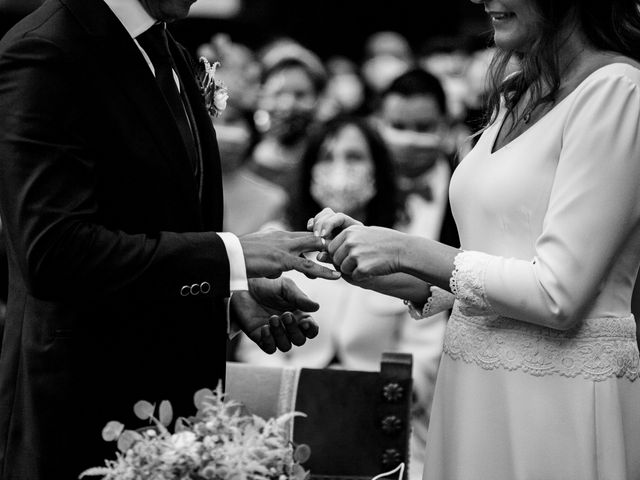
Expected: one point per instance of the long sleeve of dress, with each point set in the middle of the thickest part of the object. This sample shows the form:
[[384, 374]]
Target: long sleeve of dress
[[592, 210]]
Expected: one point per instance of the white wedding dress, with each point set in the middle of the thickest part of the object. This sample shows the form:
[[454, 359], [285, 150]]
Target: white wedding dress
[[556, 215]]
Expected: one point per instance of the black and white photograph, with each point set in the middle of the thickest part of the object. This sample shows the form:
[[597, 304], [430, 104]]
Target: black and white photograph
[[319, 240]]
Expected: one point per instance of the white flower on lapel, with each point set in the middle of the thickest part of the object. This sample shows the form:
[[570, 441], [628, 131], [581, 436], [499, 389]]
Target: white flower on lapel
[[213, 91]]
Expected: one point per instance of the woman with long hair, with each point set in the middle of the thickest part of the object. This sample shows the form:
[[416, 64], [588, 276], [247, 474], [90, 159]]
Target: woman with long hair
[[539, 377], [364, 189]]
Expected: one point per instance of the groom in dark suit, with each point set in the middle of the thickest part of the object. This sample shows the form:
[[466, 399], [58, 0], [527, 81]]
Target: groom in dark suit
[[110, 195]]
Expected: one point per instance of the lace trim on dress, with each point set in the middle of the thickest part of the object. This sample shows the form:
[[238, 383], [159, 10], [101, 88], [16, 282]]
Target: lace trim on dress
[[439, 300], [597, 349], [467, 282]]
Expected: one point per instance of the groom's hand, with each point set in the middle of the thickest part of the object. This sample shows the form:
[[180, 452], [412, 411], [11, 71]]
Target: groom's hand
[[273, 314], [268, 254]]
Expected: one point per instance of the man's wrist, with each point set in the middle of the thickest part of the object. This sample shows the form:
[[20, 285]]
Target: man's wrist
[[237, 266], [233, 327]]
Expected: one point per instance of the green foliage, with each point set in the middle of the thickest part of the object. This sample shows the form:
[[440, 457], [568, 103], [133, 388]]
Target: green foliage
[[220, 442], [143, 410]]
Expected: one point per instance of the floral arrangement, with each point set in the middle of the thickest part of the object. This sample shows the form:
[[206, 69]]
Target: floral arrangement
[[221, 442], [213, 91]]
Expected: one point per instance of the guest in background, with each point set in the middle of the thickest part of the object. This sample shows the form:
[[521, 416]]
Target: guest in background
[[345, 91], [387, 55], [414, 121], [389, 43], [447, 57], [357, 176], [347, 166], [292, 80]]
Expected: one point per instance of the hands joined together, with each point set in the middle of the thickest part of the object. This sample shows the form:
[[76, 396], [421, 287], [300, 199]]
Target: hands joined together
[[359, 252], [273, 313]]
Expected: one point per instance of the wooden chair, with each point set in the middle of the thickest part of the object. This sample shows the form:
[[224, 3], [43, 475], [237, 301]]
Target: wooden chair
[[357, 423]]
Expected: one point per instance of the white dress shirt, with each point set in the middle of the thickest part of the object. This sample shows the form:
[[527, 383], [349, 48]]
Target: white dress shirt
[[136, 20]]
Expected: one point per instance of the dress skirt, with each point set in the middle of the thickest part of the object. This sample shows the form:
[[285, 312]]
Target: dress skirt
[[518, 402]]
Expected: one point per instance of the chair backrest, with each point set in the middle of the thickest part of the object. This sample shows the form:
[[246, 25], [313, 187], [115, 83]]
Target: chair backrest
[[357, 423]]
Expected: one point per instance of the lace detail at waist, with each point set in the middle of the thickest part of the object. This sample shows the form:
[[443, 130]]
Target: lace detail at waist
[[597, 349]]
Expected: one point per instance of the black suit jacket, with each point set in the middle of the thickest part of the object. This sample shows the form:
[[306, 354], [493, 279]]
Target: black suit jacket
[[104, 228]]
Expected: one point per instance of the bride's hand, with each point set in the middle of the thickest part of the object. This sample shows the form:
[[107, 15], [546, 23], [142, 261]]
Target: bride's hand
[[327, 224], [363, 252]]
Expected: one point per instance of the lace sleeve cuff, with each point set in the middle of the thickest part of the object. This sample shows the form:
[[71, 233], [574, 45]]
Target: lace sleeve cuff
[[439, 300], [467, 282]]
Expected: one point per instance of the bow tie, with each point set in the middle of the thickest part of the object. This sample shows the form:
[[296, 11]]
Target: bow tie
[[420, 187]]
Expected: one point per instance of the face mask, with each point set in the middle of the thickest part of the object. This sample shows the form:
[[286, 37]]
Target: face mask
[[342, 188], [287, 126], [414, 153]]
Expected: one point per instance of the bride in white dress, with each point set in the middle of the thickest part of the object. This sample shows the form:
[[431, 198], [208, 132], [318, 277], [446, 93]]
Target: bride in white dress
[[539, 376]]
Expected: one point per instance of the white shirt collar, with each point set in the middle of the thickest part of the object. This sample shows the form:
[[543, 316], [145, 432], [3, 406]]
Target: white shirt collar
[[132, 15]]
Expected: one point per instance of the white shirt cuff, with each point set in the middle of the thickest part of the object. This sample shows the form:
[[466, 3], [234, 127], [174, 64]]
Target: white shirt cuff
[[237, 267]]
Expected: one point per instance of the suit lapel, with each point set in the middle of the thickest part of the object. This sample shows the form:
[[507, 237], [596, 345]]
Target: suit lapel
[[121, 59], [212, 201]]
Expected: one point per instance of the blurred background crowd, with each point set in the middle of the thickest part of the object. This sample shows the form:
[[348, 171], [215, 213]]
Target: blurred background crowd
[[365, 107]]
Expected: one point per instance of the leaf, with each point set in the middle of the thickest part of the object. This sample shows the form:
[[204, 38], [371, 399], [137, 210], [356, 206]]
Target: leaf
[[143, 410], [95, 471], [180, 425], [298, 473], [199, 398], [112, 431], [285, 417], [165, 413], [302, 453], [127, 439]]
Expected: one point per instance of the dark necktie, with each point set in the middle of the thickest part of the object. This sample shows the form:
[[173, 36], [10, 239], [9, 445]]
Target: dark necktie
[[156, 45]]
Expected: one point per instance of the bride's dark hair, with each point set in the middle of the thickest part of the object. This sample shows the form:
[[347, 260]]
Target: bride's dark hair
[[612, 25]]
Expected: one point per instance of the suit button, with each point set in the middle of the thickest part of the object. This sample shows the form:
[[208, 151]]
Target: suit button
[[195, 289], [205, 287], [184, 291]]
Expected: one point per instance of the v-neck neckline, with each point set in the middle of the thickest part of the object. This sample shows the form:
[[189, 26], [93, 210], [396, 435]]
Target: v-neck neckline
[[500, 124], [501, 120]]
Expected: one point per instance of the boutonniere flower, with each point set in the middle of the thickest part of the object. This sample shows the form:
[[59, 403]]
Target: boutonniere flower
[[213, 91]]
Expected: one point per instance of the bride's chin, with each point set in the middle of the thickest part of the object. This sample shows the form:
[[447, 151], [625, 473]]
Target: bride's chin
[[508, 42]]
